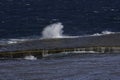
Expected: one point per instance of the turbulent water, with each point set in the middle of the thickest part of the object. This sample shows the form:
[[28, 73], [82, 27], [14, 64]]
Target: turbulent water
[[24, 20], [72, 67]]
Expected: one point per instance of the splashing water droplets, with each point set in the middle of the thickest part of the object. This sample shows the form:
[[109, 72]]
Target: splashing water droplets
[[53, 31]]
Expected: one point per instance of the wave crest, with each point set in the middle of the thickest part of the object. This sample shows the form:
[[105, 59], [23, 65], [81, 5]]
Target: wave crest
[[54, 30], [103, 33]]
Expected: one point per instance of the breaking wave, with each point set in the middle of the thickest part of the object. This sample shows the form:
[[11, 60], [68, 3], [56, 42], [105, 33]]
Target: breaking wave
[[103, 33], [54, 30]]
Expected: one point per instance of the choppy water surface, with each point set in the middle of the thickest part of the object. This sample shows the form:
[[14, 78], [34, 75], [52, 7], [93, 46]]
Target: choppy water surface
[[75, 67], [24, 20]]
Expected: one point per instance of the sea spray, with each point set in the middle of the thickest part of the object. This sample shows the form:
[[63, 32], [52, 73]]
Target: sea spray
[[53, 31], [103, 33]]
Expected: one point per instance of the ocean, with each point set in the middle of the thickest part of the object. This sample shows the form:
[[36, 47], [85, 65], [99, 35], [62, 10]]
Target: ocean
[[24, 20], [72, 67], [27, 18]]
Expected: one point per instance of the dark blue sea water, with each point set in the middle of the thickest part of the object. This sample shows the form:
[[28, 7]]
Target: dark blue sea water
[[26, 19]]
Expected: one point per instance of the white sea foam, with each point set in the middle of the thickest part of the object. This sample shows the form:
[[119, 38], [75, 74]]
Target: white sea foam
[[108, 32], [65, 53], [30, 57], [103, 33], [12, 41]]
